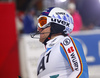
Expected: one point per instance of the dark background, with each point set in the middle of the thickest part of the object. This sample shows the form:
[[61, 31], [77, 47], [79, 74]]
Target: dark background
[[88, 9]]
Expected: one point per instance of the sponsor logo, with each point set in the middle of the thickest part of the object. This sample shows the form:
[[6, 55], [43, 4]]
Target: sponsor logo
[[73, 57], [62, 22], [74, 60], [54, 40], [70, 50], [58, 13], [51, 45], [66, 41]]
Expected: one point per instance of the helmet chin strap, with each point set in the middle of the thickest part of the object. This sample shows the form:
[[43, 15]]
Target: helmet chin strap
[[48, 38]]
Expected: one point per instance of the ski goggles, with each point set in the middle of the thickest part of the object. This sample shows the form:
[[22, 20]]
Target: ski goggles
[[43, 21]]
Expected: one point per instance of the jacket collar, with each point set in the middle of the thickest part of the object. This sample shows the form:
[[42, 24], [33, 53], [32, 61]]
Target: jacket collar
[[53, 41]]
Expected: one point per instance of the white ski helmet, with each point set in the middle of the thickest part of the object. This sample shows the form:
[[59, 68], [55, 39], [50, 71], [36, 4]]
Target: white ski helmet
[[59, 20]]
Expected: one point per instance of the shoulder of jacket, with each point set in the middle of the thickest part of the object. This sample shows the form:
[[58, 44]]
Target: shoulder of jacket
[[66, 40]]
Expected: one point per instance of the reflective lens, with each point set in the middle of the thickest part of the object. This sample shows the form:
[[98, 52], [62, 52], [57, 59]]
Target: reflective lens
[[42, 21]]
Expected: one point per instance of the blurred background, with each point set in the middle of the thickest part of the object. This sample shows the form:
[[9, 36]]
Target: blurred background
[[18, 18]]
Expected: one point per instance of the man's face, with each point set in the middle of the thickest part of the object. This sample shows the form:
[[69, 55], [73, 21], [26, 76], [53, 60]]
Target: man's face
[[44, 33]]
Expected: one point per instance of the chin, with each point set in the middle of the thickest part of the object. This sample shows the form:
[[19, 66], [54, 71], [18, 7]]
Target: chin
[[41, 40]]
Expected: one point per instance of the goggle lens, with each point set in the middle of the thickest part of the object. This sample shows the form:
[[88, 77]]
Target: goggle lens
[[42, 21]]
